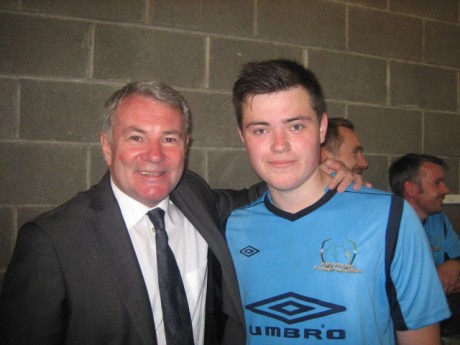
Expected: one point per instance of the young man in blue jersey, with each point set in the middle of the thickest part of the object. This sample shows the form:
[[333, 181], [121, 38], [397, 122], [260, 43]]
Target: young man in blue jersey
[[314, 265]]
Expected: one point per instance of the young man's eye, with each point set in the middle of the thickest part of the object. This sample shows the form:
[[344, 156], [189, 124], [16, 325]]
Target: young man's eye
[[297, 127], [259, 131]]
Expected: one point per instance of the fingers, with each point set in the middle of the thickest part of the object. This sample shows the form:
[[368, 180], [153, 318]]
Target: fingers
[[329, 165], [343, 176], [358, 181], [341, 181]]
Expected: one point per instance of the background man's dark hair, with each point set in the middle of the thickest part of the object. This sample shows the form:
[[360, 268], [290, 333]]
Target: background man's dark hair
[[406, 168], [333, 138]]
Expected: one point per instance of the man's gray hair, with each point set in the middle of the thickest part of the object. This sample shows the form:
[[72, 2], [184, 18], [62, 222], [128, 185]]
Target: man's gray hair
[[154, 90]]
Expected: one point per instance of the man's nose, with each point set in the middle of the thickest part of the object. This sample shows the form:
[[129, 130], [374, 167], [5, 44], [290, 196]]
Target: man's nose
[[153, 151], [280, 142], [444, 188], [362, 162]]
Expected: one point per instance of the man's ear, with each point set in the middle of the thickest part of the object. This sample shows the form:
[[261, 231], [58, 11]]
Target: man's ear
[[323, 127], [187, 142], [241, 134], [325, 154], [106, 148], [411, 189]]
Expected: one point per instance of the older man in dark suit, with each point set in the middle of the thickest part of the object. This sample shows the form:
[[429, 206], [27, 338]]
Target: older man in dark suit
[[86, 273], [91, 271]]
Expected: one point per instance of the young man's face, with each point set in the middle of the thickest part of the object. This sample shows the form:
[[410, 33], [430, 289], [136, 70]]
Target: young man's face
[[431, 190], [147, 152], [350, 151], [282, 136]]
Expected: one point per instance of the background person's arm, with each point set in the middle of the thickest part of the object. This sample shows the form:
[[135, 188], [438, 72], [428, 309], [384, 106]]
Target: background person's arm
[[449, 273]]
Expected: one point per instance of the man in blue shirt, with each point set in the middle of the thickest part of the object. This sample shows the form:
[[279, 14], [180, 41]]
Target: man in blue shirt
[[420, 180]]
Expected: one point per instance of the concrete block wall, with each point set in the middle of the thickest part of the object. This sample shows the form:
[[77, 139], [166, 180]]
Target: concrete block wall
[[391, 66]]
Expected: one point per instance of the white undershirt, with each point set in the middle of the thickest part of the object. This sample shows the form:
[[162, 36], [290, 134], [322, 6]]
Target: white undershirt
[[189, 248]]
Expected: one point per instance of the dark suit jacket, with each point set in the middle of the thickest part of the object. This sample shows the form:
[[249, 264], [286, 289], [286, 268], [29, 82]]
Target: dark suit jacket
[[74, 277]]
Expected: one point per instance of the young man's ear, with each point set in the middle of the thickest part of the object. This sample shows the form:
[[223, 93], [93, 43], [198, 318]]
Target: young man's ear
[[241, 134], [323, 127]]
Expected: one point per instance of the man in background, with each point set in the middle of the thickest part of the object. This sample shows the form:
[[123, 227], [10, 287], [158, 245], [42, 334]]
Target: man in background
[[420, 179], [343, 144]]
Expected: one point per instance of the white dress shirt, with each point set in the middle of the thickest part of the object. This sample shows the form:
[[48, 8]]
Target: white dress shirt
[[189, 248]]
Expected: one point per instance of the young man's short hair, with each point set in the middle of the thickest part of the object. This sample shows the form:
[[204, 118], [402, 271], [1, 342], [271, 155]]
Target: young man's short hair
[[258, 78]]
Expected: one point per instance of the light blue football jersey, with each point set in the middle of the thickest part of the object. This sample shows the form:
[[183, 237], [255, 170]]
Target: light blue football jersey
[[333, 273]]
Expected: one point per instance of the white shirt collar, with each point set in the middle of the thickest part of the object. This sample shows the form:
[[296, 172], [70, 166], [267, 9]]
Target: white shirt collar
[[132, 210]]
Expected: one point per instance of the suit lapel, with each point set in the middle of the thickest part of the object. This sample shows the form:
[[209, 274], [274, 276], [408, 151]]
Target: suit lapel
[[199, 215], [120, 259]]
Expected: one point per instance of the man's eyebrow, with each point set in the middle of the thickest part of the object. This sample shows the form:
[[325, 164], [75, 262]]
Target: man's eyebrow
[[257, 123], [292, 119], [297, 118], [133, 129]]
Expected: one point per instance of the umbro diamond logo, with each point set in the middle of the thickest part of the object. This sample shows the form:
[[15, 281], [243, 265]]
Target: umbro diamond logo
[[249, 251], [293, 308]]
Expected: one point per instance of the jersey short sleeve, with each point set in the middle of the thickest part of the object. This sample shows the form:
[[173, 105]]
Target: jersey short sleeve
[[414, 277], [320, 275]]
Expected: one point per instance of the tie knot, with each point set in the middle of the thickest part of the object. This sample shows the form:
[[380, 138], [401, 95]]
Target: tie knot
[[157, 217]]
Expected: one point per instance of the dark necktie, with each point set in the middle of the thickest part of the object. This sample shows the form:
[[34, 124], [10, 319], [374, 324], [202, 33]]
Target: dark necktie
[[176, 314]]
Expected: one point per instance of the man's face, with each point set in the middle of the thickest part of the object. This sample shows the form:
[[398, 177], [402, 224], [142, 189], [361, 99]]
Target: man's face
[[147, 153], [431, 190], [350, 151], [282, 136]]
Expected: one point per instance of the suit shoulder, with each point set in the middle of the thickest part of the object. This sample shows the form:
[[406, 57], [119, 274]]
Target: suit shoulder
[[77, 208], [191, 182], [194, 190], [192, 179], [79, 199]]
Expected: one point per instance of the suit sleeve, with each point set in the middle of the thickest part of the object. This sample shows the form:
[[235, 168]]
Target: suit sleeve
[[32, 303], [229, 199]]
